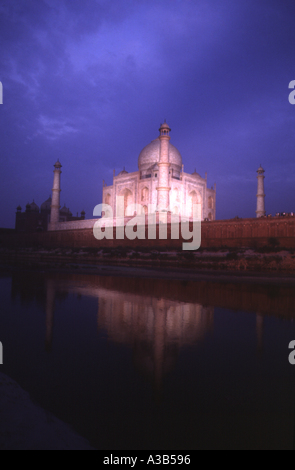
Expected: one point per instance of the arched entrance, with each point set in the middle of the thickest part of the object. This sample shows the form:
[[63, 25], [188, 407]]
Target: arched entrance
[[145, 194], [128, 199], [194, 197]]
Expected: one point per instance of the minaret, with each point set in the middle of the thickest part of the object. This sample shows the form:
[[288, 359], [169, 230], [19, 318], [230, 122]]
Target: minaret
[[260, 212], [164, 165], [55, 204]]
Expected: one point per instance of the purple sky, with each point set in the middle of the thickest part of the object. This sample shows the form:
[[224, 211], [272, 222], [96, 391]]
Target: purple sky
[[89, 82]]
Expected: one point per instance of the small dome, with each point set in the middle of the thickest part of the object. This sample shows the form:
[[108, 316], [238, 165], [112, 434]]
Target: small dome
[[260, 170], [65, 210], [123, 172], [164, 126], [58, 164], [196, 174], [34, 207], [19, 209], [150, 155], [46, 205]]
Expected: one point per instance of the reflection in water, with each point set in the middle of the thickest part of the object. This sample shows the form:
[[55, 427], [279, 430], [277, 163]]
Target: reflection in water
[[277, 300], [156, 317], [220, 395], [50, 305], [156, 329], [259, 332]]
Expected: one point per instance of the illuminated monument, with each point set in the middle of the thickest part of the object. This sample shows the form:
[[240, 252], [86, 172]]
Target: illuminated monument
[[160, 181]]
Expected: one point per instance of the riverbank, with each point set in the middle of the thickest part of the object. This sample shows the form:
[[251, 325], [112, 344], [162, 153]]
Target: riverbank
[[26, 426], [270, 262]]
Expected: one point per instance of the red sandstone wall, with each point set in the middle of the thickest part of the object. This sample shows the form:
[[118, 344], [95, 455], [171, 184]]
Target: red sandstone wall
[[249, 232], [231, 233]]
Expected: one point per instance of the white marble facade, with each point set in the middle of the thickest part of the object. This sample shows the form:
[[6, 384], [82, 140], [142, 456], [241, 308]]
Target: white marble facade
[[161, 181]]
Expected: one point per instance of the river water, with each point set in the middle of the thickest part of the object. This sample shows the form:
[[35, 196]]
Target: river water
[[133, 363]]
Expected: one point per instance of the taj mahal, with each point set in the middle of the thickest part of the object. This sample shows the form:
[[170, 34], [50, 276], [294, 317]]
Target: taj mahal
[[160, 185], [161, 182]]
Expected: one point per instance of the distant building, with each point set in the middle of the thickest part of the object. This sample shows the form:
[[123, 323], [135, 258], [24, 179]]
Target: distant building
[[35, 219]]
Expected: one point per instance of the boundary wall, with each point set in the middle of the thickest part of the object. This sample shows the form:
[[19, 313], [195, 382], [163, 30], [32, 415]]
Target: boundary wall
[[252, 233]]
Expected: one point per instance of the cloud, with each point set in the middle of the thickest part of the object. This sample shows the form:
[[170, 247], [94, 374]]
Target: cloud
[[53, 129], [95, 78]]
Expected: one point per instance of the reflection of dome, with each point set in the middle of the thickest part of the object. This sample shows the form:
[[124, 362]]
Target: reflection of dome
[[150, 156], [46, 206]]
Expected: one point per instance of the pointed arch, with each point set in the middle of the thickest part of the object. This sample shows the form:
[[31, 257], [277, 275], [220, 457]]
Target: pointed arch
[[128, 199], [194, 197], [145, 194], [107, 199], [176, 194]]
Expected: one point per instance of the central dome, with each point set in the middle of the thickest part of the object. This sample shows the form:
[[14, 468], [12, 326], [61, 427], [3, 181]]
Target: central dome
[[150, 156]]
